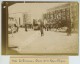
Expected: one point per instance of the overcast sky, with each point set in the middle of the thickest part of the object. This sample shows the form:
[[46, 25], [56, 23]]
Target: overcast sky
[[34, 9]]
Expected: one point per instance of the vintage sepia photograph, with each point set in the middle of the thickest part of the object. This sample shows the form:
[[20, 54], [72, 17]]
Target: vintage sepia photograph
[[42, 27]]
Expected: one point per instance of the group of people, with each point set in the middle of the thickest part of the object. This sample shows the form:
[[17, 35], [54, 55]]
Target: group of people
[[48, 27], [43, 26], [12, 26]]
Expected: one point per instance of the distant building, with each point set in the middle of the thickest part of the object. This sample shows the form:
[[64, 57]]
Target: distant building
[[63, 13], [20, 18]]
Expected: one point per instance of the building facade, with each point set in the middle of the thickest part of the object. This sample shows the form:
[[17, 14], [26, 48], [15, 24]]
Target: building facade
[[65, 15]]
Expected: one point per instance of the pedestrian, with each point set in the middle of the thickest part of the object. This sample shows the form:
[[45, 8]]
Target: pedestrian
[[25, 27], [41, 28], [47, 26], [68, 28], [68, 31]]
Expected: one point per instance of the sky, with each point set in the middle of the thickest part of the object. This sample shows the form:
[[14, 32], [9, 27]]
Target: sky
[[35, 10]]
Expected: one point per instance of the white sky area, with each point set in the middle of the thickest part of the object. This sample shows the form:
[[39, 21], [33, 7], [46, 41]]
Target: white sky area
[[35, 10]]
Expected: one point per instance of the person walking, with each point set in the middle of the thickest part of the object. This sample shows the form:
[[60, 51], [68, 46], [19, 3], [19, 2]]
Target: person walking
[[68, 27], [25, 27], [41, 28]]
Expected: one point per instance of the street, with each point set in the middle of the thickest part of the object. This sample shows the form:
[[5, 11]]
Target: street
[[52, 42]]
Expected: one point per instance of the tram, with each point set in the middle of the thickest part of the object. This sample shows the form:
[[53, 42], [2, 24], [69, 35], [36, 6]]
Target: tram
[[36, 25]]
